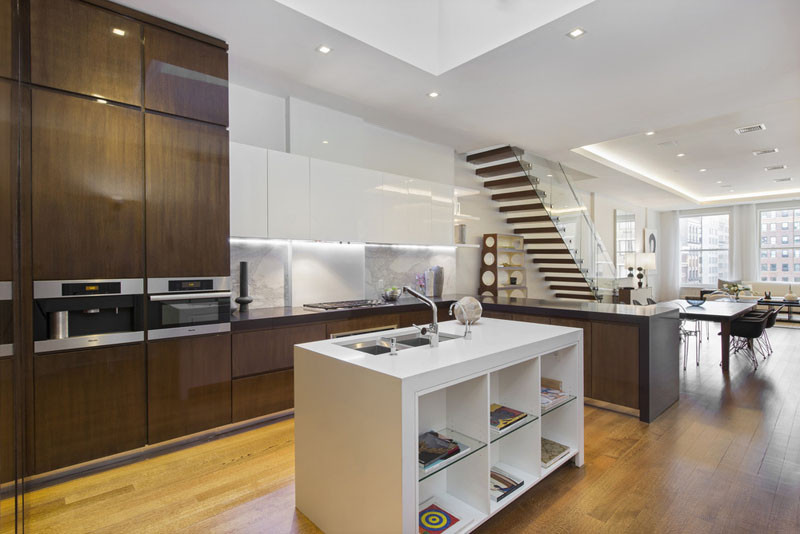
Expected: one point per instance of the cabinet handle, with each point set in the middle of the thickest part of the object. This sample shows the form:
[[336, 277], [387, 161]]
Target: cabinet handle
[[191, 296]]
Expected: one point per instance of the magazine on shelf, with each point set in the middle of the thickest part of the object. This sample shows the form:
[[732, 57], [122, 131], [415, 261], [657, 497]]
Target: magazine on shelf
[[502, 417], [435, 448], [552, 397], [435, 519], [502, 484], [552, 452]]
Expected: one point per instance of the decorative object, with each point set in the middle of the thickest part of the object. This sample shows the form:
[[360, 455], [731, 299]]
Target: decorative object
[[392, 294], [735, 288], [468, 310], [696, 301], [768, 295], [513, 280], [650, 240], [647, 262], [630, 264], [791, 297], [244, 299]]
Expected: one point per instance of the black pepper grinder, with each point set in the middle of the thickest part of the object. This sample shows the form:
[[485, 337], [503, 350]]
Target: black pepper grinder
[[244, 299]]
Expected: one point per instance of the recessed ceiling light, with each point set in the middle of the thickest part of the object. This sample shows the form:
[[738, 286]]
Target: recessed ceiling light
[[649, 133], [779, 180], [775, 168], [681, 155], [577, 32], [703, 170], [325, 142], [322, 49], [549, 175], [433, 94], [764, 151], [719, 181], [118, 31]]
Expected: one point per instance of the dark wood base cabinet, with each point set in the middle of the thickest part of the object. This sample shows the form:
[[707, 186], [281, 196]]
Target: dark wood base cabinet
[[6, 420], [88, 404], [188, 385], [263, 351], [264, 394]]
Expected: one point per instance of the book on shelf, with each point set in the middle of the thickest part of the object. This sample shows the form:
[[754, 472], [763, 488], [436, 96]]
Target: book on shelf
[[435, 448], [501, 417], [434, 519], [552, 452], [552, 397], [502, 484]]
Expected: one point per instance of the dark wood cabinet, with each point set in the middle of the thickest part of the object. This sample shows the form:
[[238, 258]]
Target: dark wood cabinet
[[6, 48], [262, 351], [7, 172], [88, 404], [87, 189], [188, 385], [615, 363], [367, 323], [264, 394], [6, 420], [83, 49], [185, 77], [497, 315], [187, 198], [587, 348], [540, 319]]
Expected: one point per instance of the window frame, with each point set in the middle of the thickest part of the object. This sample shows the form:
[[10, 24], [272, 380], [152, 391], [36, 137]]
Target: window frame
[[681, 250], [789, 242]]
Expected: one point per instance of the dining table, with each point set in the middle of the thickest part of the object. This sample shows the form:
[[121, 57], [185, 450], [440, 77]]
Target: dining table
[[717, 311]]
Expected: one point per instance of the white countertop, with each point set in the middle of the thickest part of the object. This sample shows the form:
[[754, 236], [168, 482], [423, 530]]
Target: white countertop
[[499, 339]]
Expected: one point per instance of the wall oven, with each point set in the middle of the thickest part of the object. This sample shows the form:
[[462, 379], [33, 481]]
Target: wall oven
[[76, 314], [6, 320], [180, 307]]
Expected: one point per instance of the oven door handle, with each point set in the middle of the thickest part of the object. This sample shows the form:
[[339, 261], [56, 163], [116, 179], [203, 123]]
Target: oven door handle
[[190, 296]]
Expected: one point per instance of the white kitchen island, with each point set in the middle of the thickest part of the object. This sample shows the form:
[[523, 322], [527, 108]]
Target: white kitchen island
[[358, 417]]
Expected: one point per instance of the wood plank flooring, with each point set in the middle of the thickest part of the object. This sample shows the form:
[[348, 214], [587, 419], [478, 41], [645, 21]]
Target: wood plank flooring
[[725, 459]]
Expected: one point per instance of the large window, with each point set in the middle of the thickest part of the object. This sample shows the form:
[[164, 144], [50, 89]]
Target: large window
[[780, 246], [704, 249], [626, 239]]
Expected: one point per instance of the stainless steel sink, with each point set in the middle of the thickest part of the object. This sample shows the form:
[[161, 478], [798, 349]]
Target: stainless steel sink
[[382, 345]]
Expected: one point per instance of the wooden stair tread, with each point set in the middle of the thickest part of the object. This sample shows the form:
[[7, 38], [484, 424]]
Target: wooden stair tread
[[537, 240], [583, 289], [515, 195], [543, 230], [528, 219], [578, 297], [500, 169], [580, 279], [495, 154], [560, 270], [560, 251], [554, 260], [505, 183], [522, 207]]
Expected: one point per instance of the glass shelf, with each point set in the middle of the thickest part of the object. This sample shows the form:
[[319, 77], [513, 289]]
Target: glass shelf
[[548, 410], [473, 444], [494, 435]]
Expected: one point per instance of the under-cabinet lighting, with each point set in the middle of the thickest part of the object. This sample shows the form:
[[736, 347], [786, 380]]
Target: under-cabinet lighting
[[577, 32], [118, 31], [322, 49]]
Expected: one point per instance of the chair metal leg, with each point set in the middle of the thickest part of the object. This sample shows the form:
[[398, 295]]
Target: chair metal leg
[[697, 347]]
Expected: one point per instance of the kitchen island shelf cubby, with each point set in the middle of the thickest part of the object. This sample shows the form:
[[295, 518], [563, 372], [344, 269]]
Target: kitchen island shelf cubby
[[546, 411], [452, 389]]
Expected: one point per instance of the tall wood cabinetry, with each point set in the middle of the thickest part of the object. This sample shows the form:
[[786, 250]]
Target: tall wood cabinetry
[[126, 177]]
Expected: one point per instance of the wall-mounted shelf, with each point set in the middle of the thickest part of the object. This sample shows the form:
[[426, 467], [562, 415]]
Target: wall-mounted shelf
[[503, 259]]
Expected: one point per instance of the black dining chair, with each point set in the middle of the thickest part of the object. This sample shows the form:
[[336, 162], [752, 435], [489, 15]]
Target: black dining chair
[[772, 318], [745, 333]]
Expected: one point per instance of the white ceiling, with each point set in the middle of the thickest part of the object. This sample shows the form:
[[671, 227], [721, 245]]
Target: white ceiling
[[642, 65], [435, 35]]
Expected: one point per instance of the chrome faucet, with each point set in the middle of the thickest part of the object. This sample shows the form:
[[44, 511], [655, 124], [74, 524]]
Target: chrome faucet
[[432, 330], [467, 324]]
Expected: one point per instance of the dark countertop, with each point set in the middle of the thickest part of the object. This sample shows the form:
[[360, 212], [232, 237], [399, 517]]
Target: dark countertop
[[260, 318]]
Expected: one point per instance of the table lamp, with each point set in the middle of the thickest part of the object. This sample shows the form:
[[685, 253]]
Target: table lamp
[[630, 263], [647, 262]]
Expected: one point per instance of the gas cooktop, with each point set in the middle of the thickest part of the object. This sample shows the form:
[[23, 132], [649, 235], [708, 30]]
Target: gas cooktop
[[343, 305]]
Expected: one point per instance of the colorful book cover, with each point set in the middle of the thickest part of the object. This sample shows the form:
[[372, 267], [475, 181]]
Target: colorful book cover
[[553, 397], [503, 416], [502, 484], [434, 446], [433, 520], [552, 451]]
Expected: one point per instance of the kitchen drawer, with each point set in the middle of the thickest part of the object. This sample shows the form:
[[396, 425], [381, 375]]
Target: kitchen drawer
[[263, 394], [6, 420], [189, 385], [371, 322], [262, 351], [540, 319]]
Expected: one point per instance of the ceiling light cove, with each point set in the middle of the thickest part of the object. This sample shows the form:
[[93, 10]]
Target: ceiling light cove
[[577, 32], [322, 49]]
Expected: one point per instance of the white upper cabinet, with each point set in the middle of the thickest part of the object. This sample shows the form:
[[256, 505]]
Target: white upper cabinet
[[419, 211], [248, 186], [288, 195], [395, 209], [345, 202], [441, 214]]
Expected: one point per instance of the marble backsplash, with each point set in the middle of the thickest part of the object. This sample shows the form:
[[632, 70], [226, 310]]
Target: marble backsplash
[[271, 279]]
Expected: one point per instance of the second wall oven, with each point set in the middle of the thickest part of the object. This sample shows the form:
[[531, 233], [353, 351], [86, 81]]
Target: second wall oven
[[180, 307]]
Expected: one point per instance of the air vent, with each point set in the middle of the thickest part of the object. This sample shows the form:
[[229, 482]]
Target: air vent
[[781, 180], [750, 129], [764, 151], [775, 168]]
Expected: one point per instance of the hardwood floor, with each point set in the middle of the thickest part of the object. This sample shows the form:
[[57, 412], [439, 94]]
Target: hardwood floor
[[726, 458]]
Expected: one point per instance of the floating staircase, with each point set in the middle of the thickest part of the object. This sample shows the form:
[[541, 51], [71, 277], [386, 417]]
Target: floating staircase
[[516, 191]]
